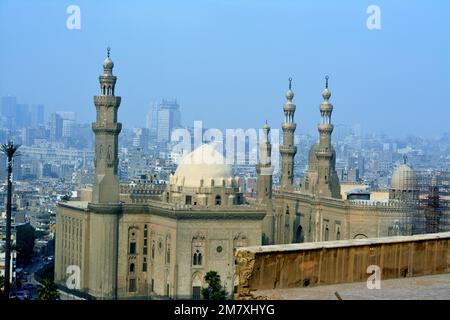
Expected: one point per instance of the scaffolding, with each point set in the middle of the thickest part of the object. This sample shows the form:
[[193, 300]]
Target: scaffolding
[[429, 202]]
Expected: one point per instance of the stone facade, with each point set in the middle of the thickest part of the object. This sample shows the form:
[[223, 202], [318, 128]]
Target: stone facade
[[153, 247]]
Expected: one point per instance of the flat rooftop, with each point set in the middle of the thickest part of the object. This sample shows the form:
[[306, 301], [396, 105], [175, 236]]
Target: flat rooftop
[[432, 287]]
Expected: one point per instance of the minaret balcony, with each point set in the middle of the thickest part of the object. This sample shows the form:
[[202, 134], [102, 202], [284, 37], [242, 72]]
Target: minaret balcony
[[324, 154], [288, 126], [288, 150], [113, 128], [108, 101], [326, 127]]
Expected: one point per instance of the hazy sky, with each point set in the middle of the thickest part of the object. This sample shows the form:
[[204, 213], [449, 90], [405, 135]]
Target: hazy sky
[[227, 61]]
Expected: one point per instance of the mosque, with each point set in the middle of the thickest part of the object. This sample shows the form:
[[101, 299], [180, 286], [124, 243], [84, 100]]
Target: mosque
[[145, 242]]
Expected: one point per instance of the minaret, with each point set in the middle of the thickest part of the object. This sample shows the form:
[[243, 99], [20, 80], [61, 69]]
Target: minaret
[[105, 207], [106, 130], [328, 182], [287, 149], [264, 168]]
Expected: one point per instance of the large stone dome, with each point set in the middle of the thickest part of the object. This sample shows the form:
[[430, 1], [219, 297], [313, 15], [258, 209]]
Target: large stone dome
[[204, 163], [404, 178]]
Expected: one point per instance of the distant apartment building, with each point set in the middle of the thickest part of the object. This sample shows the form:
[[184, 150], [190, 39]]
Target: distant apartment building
[[141, 138], [62, 125]]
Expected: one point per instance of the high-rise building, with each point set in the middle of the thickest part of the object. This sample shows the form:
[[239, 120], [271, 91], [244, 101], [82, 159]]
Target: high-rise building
[[22, 116], [36, 115], [56, 127], [169, 118], [62, 125], [152, 117], [141, 138], [8, 108]]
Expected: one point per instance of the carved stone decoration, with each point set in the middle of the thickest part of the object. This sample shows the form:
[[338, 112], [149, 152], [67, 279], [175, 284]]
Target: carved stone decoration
[[245, 264], [109, 157]]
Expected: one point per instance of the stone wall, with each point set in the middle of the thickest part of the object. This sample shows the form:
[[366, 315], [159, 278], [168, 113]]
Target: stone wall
[[332, 262]]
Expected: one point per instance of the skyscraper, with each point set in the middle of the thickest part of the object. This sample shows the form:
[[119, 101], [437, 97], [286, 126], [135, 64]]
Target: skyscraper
[[8, 111], [56, 127], [22, 116], [168, 119], [36, 115]]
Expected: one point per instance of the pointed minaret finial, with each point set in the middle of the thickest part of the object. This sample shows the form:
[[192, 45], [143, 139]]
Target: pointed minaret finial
[[290, 83], [108, 50], [326, 81]]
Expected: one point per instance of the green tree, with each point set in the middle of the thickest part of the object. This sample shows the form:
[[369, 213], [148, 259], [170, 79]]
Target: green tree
[[26, 235], [215, 290], [47, 290]]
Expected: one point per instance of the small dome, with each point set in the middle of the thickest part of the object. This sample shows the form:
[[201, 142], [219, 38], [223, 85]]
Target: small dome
[[290, 95], [404, 178], [266, 126], [204, 163], [108, 63], [326, 94]]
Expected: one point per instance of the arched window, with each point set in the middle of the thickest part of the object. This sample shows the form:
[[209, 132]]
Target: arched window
[[218, 200], [132, 268], [338, 234], [327, 234], [197, 258]]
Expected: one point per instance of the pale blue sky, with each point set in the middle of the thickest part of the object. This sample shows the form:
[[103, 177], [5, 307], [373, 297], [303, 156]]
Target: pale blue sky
[[228, 61]]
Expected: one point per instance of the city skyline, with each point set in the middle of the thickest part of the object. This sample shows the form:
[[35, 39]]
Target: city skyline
[[243, 66]]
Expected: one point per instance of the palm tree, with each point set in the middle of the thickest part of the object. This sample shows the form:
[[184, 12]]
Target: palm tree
[[9, 149], [47, 290], [215, 290]]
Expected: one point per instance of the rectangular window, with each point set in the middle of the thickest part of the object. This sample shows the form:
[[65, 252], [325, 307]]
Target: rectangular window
[[132, 248], [145, 242], [188, 199], [145, 231], [152, 285], [144, 251], [144, 267]]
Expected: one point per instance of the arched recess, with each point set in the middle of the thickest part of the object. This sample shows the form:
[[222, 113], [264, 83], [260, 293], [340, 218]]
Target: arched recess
[[360, 236], [197, 284], [298, 236]]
